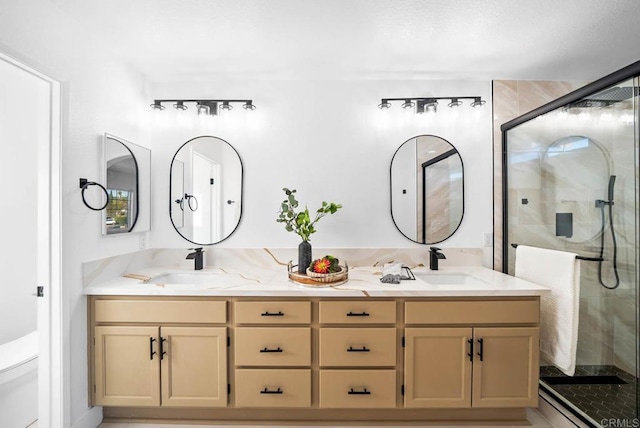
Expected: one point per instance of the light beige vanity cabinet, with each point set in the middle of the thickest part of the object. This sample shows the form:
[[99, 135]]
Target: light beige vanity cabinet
[[315, 358], [272, 354], [469, 365], [164, 364]]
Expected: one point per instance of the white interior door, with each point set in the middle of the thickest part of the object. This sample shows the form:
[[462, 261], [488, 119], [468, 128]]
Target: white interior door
[[206, 224], [29, 175]]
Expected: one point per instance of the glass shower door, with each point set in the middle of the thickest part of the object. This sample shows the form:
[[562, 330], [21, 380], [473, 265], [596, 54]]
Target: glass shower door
[[572, 185]]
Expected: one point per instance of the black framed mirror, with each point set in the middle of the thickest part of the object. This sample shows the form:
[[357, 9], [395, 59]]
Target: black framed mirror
[[427, 189], [122, 186], [206, 181]]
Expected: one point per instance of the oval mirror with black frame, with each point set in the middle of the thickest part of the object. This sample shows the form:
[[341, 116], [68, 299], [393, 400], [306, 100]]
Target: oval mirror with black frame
[[427, 189], [122, 185], [205, 202]]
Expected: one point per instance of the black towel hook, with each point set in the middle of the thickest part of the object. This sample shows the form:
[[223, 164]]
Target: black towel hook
[[84, 185]]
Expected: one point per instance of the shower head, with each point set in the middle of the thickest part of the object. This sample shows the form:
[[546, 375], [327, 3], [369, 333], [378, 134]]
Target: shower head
[[612, 182], [607, 97]]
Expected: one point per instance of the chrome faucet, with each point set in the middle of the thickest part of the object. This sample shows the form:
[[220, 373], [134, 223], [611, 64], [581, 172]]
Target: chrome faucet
[[197, 257], [434, 256]]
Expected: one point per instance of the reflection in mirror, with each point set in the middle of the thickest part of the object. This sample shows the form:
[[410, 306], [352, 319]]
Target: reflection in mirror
[[573, 169], [121, 213], [206, 190], [177, 188], [427, 189]]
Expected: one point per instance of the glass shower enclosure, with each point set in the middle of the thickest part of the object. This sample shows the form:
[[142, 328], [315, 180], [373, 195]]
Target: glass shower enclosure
[[570, 183]]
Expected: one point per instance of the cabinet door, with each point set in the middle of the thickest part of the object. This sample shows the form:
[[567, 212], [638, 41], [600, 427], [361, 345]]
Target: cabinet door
[[437, 367], [506, 367], [194, 366], [126, 368]]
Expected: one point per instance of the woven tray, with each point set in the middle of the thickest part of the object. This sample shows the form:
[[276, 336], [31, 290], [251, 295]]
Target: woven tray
[[312, 279]]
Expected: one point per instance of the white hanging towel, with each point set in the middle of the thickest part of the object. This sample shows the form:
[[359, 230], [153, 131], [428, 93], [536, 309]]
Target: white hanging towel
[[560, 271]]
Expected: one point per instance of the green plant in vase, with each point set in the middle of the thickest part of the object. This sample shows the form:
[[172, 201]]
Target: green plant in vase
[[299, 221]]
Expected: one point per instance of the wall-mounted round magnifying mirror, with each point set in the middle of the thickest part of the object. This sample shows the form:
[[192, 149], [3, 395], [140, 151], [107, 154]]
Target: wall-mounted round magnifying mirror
[[205, 203], [427, 189], [121, 212]]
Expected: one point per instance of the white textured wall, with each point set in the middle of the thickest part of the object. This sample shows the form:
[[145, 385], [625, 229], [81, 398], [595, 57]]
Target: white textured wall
[[100, 94], [328, 140]]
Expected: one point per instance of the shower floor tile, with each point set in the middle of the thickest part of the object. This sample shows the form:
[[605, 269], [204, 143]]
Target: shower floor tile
[[599, 401]]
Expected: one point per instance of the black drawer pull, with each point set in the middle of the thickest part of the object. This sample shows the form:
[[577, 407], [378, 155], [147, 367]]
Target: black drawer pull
[[265, 349], [272, 314], [363, 392], [470, 354], [357, 314], [269, 391], [363, 349]]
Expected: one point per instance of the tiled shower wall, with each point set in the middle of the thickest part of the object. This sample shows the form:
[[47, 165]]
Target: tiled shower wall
[[512, 98]]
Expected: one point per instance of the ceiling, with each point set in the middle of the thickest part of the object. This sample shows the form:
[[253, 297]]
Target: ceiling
[[173, 40]]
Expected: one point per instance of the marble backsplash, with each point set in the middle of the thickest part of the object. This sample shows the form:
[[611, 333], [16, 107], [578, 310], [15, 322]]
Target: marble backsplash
[[96, 271]]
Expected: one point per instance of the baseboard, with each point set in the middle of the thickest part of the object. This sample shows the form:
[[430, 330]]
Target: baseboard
[[91, 418]]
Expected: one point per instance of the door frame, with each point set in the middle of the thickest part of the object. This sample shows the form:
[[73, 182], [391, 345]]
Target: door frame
[[49, 309]]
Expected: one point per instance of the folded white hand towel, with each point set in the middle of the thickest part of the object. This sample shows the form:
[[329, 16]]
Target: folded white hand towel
[[560, 271]]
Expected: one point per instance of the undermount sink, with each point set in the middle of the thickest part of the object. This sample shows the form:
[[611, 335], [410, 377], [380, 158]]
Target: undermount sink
[[450, 279], [212, 279]]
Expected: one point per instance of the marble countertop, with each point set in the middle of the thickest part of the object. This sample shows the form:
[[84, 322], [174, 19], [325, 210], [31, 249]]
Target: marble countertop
[[460, 281]]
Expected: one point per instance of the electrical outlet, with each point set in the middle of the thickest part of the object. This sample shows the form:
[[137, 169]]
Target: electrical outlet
[[488, 239], [142, 243]]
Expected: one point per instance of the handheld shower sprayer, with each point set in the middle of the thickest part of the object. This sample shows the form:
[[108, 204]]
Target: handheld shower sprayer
[[601, 204], [612, 182]]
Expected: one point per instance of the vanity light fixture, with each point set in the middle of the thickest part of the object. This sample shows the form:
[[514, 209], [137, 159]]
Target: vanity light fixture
[[248, 105], [407, 104], [156, 105], [204, 107], [430, 104], [179, 105], [477, 101]]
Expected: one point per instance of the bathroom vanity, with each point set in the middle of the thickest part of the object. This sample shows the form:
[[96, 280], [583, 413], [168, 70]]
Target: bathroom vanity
[[456, 345]]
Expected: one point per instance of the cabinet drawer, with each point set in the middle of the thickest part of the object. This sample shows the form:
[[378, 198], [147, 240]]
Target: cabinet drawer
[[272, 312], [161, 311], [357, 347], [357, 312], [273, 346], [358, 388], [473, 312], [273, 388]]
